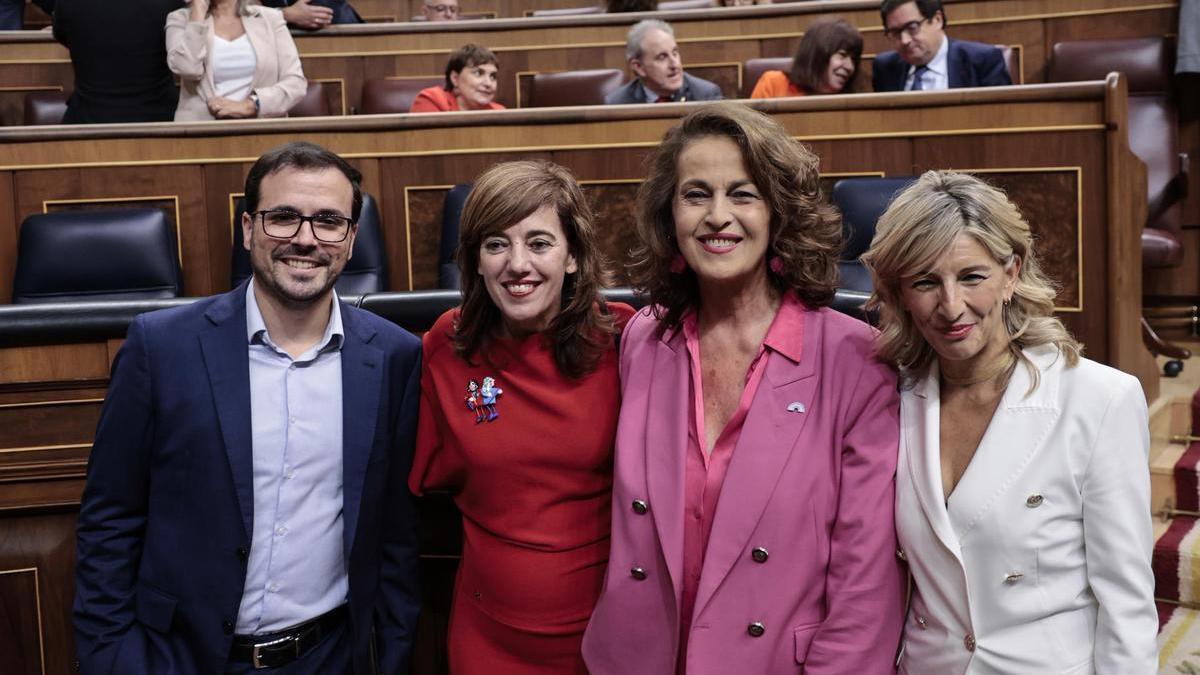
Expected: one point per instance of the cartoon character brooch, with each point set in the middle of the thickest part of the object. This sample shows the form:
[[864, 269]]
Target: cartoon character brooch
[[482, 399]]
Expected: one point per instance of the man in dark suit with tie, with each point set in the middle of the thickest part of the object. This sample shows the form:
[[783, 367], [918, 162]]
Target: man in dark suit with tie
[[246, 504], [925, 58]]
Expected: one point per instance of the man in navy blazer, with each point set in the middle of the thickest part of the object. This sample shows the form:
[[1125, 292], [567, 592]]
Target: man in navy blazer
[[246, 504], [653, 56], [925, 58]]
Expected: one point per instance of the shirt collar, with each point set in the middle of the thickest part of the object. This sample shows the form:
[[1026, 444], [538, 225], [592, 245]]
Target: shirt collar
[[785, 336], [652, 97], [256, 327], [938, 64]]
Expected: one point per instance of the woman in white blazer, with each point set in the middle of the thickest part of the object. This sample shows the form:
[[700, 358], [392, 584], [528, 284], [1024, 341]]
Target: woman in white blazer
[[234, 60], [1022, 487]]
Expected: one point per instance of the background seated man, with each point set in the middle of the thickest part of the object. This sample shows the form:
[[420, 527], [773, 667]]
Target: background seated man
[[315, 14], [654, 57], [440, 10], [925, 58]]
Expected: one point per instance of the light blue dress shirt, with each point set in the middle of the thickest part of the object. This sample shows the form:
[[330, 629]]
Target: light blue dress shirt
[[937, 74], [297, 567]]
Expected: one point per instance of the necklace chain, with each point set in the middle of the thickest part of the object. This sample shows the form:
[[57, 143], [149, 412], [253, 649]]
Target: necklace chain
[[1000, 365]]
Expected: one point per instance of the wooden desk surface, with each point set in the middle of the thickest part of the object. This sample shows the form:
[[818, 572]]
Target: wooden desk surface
[[1048, 141]]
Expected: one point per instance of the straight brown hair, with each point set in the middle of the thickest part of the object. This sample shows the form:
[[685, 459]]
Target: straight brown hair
[[503, 196]]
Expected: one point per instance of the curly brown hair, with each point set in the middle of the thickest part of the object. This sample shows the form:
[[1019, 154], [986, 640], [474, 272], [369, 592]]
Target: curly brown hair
[[503, 196], [806, 232]]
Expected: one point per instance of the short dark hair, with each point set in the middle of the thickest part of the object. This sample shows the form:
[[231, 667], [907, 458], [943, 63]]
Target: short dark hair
[[821, 41], [306, 156], [806, 231], [927, 8], [466, 56]]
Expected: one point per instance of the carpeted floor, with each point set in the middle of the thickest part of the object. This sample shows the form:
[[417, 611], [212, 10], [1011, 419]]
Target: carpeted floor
[[1177, 568]]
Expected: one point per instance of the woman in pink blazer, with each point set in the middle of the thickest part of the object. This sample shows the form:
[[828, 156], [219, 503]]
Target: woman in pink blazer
[[234, 60], [756, 447]]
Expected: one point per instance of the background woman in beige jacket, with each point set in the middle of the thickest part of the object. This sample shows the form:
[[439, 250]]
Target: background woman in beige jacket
[[234, 60]]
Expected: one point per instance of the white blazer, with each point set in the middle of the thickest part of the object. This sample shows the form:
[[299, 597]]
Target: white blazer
[[278, 78], [1041, 561]]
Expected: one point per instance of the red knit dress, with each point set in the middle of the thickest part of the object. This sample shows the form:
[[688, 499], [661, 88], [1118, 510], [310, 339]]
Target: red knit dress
[[533, 479]]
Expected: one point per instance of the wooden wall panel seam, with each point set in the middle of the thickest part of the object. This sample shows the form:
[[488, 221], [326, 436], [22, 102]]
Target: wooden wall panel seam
[[1078, 171], [965, 131]]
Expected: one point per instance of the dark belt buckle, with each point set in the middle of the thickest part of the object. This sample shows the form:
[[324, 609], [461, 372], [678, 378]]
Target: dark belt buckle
[[257, 655]]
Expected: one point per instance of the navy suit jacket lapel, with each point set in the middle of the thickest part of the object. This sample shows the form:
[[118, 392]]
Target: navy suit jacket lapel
[[639, 92], [362, 378], [958, 68], [899, 73], [227, 360]]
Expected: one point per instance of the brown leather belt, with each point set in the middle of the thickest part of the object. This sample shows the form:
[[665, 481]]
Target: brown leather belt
[[280, 648]]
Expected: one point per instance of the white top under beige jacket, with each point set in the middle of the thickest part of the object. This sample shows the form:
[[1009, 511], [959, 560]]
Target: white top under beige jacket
[[278, 78], [1040, 563]]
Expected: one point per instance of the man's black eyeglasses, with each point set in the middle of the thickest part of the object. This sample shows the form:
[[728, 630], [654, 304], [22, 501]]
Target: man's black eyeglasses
[[912, 28], [285, 224]]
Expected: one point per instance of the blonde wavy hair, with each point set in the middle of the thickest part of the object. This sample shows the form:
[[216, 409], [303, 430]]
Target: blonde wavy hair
[[918, 228]]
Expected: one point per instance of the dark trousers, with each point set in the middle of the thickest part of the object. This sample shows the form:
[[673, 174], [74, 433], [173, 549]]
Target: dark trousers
[[331, 656], [12, 14]]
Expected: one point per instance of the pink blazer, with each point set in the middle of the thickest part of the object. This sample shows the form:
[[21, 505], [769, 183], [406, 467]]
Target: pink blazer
[[811, 483]]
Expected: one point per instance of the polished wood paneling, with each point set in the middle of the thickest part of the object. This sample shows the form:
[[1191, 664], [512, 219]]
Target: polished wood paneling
[[403, 157], [614, 204], [424, 208], [43, 424], [8, 232], [42, 541], [350, 54], [53, 364], [1051, 202], [20, 624]]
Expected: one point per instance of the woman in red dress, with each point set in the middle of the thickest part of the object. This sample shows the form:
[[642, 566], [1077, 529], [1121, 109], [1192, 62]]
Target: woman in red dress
[[518, 415]]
